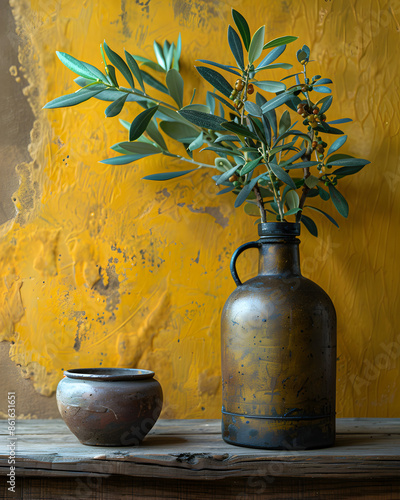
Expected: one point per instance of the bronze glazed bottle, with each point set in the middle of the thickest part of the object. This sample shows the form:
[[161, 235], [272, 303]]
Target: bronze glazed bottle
[[278, 351]]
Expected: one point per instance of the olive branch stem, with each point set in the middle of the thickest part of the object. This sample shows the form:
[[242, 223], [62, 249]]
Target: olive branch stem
[[260, 203]]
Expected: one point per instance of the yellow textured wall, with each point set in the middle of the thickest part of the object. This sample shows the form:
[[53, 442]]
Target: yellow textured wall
[[102, 268]]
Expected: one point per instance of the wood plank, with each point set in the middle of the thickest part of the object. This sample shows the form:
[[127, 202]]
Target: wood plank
[[211, 426], [368, 425], [207, 468], [162, 426], [194, 450], [351, 445], [260, 488]]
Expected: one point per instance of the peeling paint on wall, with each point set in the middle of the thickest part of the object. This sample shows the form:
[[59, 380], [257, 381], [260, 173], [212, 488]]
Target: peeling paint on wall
[[101, 268]]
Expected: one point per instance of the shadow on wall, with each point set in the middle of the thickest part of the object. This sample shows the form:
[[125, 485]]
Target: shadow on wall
[[16, 117]]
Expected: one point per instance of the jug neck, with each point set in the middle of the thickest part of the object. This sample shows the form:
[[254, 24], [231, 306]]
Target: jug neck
[[279, 250]]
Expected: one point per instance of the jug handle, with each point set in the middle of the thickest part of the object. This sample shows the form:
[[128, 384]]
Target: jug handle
[[236, 253]]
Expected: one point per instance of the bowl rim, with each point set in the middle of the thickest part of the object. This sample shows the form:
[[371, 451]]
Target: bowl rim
[[108, 374]]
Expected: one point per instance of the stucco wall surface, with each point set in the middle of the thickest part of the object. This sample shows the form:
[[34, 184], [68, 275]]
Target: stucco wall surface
[[101, 268]]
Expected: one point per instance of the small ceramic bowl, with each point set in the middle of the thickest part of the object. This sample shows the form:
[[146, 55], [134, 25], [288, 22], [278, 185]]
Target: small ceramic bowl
[[109, 406]]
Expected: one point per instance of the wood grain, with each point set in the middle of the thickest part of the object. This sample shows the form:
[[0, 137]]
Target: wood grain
[[48, 454], [260, 488]]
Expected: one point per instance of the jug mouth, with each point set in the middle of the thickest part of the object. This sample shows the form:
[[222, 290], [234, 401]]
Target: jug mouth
[[279, 229], [108, 374]]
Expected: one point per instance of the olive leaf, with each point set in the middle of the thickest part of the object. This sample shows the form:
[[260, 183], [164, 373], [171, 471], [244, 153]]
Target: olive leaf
[[323, 213], [348, 162], [294, 158], [243, 28], [340, 120], [166, 176], [284, 122], [282, 175], [239, 130], [324, 127], [197, 143], [81, 68], [347, 170], [253, 109], [336, 145], [179, 131], [311, 181], [221, 66], [322, 89], [271, 56], [236, 47], [139, 147], [140, 123], [244, 193], [293, 211], [252, 210], [225, 176], [325, 104], [215, 79], [67, 100], [221, 150], [309, 224], [323, 194], [267, 128], [250, 166], [120, 64], [203, 120], [126, 159], [150, 80], [270, 86], [301, 55], [226, 190], [175, 86], [112, 75], [292, 199], [159, 55], [154, 133], [133, 65], [339, 201], [256, 44], [115, 107], [177, 53], [282, 40], [277, 101], [168, 51], [275, 66]]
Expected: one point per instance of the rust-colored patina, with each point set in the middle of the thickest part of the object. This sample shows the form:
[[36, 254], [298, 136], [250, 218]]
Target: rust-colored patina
[[109, 406], [278, 351]]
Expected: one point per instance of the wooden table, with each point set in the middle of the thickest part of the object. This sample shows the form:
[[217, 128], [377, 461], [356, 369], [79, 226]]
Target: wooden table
[[187, 459]]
